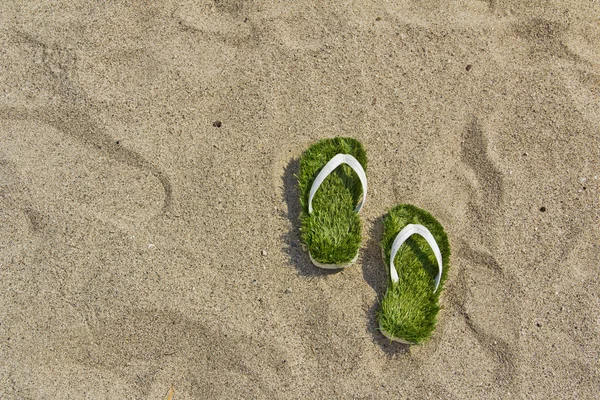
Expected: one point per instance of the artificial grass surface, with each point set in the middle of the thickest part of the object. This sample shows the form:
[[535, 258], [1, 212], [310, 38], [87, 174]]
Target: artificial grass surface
[[332, 232], [409, 307]]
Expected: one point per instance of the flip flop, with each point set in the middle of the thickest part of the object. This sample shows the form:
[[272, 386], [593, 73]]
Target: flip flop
[[417, 252], [333, 189]]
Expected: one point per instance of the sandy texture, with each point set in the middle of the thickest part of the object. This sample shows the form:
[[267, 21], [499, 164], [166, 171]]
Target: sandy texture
[[141, 246]]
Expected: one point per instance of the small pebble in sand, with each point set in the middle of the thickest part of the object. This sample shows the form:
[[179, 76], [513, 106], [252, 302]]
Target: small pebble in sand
[[151, 246], [217, 124], [263, 252], [468, 67], [543, 209], [288, 291]]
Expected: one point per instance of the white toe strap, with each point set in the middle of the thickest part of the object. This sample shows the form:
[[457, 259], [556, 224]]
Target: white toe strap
[[330, 167], [404, 234]]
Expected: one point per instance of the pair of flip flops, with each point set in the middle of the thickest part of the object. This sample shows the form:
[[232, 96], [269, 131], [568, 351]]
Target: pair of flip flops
[[333, 190]]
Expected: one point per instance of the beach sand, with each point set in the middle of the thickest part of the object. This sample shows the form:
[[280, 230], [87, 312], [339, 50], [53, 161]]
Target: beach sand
[[142, 245]]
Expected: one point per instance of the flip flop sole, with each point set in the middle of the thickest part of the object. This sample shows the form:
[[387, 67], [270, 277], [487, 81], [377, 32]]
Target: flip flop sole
[[333, 266], [332, 230], [392, 338], [410, 306]]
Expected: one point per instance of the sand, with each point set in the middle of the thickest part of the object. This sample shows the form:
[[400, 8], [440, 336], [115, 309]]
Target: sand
[[141, 246]]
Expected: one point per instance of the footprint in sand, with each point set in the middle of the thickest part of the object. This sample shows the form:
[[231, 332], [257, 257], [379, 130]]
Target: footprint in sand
[[237, 22], [583, 39], [543, 38], [483, 293], [19, 220], [167, 346], [568, 50], [487, 177], [226, 19], [63, 175], [68, 158]]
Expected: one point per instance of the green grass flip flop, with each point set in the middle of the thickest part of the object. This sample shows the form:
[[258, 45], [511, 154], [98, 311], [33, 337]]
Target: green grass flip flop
[[417, 252], [333, 189]]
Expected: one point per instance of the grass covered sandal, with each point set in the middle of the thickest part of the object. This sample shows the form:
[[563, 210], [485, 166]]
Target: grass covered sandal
[[416, 249], [333, 189]]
